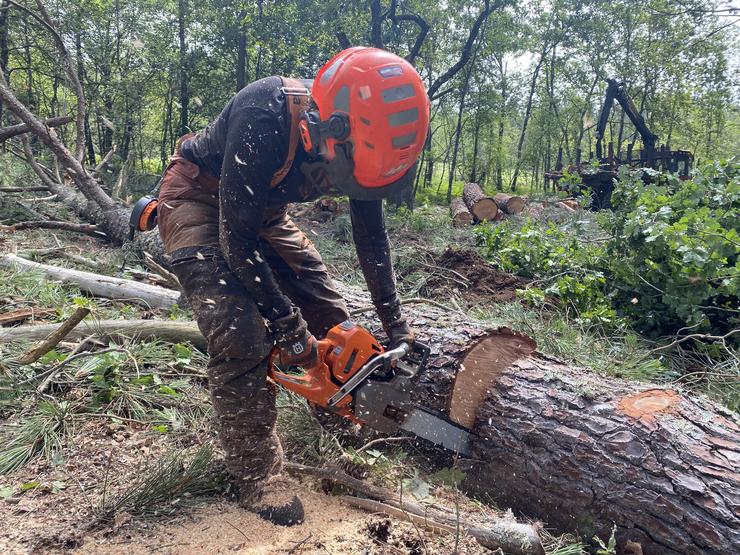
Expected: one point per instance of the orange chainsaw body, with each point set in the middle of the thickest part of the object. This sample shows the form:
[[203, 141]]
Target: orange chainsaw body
[[345, 350]]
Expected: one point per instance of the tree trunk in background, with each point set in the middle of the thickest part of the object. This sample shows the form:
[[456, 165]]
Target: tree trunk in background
[[182, 7], [241, 55], [476, 137], [527, 114], [30, 99], [458, 134], [4, 52]]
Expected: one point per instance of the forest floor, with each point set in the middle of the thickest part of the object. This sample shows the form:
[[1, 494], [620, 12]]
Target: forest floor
[[106, 447]]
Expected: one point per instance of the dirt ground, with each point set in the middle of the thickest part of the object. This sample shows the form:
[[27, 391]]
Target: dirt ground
[[57, 515], [472, 276]]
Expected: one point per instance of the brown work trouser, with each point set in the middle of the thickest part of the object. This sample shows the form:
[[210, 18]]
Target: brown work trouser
[[238, 340]]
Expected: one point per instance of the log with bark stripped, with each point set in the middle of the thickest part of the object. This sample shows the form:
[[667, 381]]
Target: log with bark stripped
[[580, 451], [511, 204], [480, 205], [461, 216]]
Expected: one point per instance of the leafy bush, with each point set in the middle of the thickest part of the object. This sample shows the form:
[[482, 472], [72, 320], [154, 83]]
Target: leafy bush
[[674, 249], [670, 260]]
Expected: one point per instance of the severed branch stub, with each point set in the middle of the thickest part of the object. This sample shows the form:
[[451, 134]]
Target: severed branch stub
[[40, 349]]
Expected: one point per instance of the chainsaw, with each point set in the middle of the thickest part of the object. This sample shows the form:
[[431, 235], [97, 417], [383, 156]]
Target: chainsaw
[[360, 380]]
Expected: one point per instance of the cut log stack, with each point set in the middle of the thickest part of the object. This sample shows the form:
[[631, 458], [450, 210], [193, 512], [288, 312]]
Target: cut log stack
[[483, 207], [461, 216], [553, 441], [475, 206]]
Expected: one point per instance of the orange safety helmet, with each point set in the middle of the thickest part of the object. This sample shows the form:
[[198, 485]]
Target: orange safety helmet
[[376, 101]]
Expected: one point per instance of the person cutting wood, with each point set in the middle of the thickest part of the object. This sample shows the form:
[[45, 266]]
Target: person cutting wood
[[252, 278]]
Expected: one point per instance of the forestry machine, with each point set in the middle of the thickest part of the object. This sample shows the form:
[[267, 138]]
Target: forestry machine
[[360, 380], [601, 181]]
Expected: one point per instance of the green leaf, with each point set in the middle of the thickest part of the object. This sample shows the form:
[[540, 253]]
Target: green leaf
[[30, 485]]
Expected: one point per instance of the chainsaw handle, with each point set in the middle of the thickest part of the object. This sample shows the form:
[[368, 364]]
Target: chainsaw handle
[[314, 383]]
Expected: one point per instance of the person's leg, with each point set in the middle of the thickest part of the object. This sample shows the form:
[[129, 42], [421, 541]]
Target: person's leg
[[301, 273], [238, 346], [238, 341]]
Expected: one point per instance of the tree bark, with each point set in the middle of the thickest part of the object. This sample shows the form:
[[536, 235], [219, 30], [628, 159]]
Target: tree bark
[[182, 8], [480, 205], [14, 130], [511, 204], [460, 214]]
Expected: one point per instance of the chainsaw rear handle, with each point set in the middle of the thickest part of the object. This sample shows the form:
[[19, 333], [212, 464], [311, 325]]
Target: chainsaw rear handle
[[313, 383]]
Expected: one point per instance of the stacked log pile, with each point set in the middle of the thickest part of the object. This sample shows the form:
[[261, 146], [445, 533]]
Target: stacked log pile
[[475, 206]]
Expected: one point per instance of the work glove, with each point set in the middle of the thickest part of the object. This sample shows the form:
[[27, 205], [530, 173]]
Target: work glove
[[399, 332], [298, 347]]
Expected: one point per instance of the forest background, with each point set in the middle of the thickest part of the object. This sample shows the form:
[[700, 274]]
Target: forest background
[[511, 83]]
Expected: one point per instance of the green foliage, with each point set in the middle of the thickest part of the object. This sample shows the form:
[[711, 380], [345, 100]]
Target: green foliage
[[609, 548], [670, 261], [675, 249], [38, 434]]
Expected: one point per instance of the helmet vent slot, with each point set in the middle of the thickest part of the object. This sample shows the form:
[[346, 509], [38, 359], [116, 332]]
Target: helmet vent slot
[[394, 94], [368, 145], [404, 117], [365, 121], [404, 141]]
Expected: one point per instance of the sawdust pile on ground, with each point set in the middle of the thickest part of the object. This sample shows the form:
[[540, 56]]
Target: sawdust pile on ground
[[470, 274], [331, 527]]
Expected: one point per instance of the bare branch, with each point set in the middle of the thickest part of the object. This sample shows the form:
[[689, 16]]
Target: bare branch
[[418, 20], [467, 49], [87, 229], [86, 183], [14, 130]]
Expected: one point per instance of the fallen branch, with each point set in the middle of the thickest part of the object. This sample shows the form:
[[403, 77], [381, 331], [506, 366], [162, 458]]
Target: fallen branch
[[87, 229], [35, 189], [153, 265], [119, 331], [699, 336], [23, 314], [511, 537], [53, 339], [98, 285], [21, 128]]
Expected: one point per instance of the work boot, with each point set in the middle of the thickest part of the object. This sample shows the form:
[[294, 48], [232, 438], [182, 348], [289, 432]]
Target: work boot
[[276, 502]]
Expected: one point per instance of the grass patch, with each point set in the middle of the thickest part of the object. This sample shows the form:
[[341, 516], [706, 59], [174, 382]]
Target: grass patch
[[163, 486], [40, 433]]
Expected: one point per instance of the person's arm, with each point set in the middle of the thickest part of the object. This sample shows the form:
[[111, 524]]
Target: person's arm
[[374, 254], [254, 150]]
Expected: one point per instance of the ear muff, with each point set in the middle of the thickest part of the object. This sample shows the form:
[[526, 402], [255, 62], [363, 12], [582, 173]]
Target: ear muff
[[314, 131]]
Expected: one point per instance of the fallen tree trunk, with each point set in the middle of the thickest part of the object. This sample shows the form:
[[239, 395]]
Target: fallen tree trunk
[[460, 214], [170, 331], [98, 285], [582, 452], [480, 205], [511, 204]]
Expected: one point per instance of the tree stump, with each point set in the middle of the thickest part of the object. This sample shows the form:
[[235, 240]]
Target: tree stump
[[480, 205], [511, 204], [461, 216]]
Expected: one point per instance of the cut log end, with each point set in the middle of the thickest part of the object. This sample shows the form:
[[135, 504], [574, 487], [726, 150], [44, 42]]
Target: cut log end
[[461, 216], [483, 363], [481, 206], [510, 204]]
